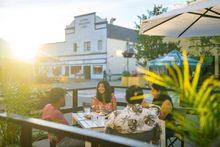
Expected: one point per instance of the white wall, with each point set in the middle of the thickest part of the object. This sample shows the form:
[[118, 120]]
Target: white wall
[[86, 29], [115, 60], [90, 27], [52, 49]]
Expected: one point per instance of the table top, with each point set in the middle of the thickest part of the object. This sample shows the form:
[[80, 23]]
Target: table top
[[88, 123], [97, 126]]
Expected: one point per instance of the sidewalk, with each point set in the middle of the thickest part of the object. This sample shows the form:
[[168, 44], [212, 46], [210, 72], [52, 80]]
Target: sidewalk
[[83, 84]]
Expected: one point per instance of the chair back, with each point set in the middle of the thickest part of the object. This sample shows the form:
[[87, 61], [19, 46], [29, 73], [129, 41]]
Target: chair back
[[163, 133], [147, 136]]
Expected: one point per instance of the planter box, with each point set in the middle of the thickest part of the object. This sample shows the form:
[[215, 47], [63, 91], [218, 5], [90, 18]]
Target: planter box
[[64, 79], [128, 81], [124, 81]]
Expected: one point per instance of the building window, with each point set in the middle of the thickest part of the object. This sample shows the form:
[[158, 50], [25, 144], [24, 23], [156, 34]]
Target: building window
[[75, 69], [75, 47], [87, 46], [99, 45], [97, 69]]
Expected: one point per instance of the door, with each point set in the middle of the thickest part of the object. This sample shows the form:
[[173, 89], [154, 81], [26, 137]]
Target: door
[[87, 72]]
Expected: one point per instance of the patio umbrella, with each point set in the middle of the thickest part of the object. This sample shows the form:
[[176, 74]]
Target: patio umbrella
[[198, 19], [170, 58]]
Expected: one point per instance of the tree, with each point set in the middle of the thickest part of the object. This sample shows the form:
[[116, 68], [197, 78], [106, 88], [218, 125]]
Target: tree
[[208, 46], [149, 47], [204, 45]]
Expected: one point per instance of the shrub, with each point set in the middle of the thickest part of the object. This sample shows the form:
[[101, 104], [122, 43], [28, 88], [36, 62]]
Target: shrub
[[126, 73]]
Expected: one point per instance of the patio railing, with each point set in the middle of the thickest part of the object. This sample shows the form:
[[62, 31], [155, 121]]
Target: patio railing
[[27, 124], [96, 138]]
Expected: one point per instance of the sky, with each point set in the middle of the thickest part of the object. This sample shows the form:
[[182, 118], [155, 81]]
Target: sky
[[26, 24]]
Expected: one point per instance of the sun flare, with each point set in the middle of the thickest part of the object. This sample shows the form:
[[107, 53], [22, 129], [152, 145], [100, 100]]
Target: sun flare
[[24, 51]]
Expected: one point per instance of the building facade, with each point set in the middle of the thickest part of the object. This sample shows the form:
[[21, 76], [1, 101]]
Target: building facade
[[91, 46]]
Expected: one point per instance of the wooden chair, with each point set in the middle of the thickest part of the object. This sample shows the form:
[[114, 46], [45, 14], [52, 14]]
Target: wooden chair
[[151, 136]]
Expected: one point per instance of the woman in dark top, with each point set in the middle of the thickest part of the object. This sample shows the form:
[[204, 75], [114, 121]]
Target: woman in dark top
[[162, 99]]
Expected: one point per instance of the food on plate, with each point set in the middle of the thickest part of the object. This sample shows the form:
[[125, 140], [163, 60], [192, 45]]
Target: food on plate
[[88, 116]]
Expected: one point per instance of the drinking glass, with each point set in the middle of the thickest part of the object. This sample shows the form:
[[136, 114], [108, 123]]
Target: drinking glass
[[86, 107]]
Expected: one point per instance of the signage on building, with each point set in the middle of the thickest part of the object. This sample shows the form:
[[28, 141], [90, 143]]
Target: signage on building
[[83, 23]]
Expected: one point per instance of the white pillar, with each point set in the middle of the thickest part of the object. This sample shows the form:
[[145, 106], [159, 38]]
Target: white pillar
[[63, 68]]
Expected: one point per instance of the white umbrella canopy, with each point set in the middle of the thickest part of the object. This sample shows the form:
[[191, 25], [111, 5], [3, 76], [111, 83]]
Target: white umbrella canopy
[[199, 19]]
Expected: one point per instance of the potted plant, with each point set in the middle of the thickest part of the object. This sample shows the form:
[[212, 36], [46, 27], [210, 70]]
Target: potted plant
[[124, 78], [204, 128], [128, 79]]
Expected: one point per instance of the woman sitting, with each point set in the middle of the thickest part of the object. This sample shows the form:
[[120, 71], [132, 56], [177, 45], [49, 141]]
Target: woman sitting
[[162, 99], [134, 121], [104, 101]]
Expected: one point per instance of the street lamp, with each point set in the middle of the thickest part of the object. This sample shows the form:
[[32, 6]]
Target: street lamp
[[128, 53]]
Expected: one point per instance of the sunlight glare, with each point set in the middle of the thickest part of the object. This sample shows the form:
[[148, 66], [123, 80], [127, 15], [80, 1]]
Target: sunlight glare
[[24, 50]]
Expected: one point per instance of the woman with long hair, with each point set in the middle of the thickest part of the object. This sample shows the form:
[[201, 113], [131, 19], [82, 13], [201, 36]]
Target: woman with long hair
[[162, 99], [105, 99]]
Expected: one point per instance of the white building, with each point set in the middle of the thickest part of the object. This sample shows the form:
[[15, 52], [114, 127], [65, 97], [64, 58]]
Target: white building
[[91, 46]]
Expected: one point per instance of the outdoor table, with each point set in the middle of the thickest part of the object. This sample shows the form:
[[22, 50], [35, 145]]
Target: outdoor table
[[100, 127], [92, 124]]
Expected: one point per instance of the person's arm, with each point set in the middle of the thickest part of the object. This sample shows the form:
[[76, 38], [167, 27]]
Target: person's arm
[[114, 102], [145, 104], [94, 105], [166, 108], [110, 121]]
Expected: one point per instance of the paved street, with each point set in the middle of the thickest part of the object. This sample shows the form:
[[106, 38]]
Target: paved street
[[83, 84], [85, 95]]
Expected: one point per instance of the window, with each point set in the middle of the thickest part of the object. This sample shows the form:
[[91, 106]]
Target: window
[[75, 47], [87, 46], [97, 69], [75, 69], [99, 45]]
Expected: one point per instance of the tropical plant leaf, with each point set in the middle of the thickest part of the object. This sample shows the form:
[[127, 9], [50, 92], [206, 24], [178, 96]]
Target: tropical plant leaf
[[202, 100]]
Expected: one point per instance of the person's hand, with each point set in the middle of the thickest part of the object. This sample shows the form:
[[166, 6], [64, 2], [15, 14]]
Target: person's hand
[[145, 104]]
